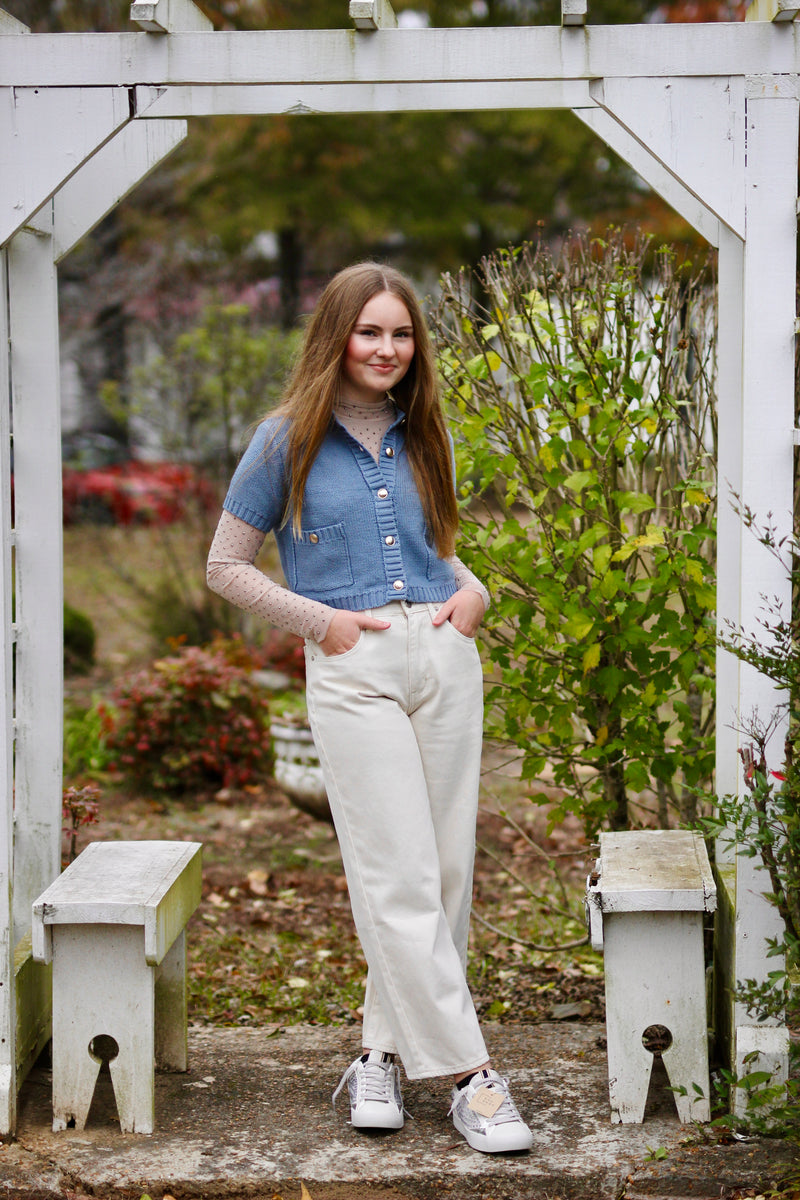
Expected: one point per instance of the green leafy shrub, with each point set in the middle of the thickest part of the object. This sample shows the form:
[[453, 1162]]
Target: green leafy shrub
[[191, 722], [582, 388], [79, 642], [87, 755]]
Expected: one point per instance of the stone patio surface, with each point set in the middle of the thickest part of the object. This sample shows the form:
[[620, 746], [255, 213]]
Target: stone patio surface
[[253, 1118]]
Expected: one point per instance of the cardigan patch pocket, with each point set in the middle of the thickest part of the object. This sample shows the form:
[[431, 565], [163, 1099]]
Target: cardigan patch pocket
[[439, 571], [321, 559]]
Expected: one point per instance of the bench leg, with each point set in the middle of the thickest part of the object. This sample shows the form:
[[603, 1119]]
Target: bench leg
[[686, 1063], [629, 1070], [171, 1012], [102, 986], [655, 976]]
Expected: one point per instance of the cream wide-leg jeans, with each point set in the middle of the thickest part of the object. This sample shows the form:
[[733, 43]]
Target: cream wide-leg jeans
[[397, 721]]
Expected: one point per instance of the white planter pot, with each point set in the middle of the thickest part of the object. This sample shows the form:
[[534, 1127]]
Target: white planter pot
[[297, 769]]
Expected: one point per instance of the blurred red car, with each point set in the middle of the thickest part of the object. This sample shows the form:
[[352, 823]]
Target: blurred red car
[[124, 491]]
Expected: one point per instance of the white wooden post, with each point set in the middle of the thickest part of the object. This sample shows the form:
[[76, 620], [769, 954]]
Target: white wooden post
[[735, 180], [8, 1071], [31, 840], [759, 279], [39, 576]]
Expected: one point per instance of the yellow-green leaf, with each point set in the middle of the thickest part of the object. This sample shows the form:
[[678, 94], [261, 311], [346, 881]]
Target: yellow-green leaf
[[601, 557], [653, 537], [579, 480], [591, 658], [636, 502], [578, 626]]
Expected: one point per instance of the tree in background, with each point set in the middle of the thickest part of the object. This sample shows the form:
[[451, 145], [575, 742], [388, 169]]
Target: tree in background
[[583, 399], [197, 395], [429, 191]]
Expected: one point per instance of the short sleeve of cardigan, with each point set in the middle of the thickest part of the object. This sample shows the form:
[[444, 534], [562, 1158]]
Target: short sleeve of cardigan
[[257, 490]]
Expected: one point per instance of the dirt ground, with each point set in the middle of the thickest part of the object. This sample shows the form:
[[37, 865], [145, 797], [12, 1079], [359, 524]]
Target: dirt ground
[[273, 939]]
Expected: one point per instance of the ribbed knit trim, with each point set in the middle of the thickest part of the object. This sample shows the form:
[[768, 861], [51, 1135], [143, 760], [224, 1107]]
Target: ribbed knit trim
[[237, 509], [432, 594]]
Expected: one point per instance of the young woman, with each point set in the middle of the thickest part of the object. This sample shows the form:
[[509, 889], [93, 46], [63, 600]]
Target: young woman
[[353, 474]]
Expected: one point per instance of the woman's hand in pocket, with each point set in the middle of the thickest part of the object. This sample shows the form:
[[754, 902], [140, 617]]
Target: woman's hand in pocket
[[345, 630], [464, 610]]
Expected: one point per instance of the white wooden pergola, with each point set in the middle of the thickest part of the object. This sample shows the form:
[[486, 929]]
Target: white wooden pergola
[[706, 114]]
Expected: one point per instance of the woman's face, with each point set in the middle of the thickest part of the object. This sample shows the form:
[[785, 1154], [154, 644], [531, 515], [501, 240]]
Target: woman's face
[[379, 351]]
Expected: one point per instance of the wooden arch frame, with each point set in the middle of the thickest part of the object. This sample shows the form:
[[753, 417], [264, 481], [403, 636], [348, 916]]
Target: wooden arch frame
[[708, 116]]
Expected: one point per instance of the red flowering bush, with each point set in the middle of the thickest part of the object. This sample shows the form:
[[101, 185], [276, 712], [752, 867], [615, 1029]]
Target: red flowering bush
[[192, 722], [80, 806], [284, 652]]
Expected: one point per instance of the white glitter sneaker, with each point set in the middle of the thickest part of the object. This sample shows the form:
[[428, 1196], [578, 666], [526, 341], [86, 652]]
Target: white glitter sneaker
[[374, 1087], [485, 1114]]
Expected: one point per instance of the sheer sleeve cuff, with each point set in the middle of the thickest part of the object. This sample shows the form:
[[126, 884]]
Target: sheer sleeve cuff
[[465, 579]]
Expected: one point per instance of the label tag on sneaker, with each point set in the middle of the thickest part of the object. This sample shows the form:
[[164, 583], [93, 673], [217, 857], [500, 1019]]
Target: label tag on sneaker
[[486, 1101]]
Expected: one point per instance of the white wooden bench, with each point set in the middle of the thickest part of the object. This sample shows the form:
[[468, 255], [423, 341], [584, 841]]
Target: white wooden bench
[[646, 902], [113, 926]]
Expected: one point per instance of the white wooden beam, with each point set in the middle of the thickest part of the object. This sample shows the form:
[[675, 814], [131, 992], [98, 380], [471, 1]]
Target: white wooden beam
[[107, 177], [368, 15], [695, 128], [333, 57], [199, 101], [772, 10], [653, 171], [9, 24], [169, 16], [46, 134]]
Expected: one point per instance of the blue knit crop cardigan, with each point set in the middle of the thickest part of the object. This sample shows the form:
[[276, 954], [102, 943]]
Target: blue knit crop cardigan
[[363, 540]]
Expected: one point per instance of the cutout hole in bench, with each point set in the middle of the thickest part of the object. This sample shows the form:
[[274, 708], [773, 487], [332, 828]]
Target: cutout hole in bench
[[103, 1048], [656, 1039]]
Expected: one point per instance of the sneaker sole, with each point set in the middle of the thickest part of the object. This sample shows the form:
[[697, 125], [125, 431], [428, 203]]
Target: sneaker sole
[[514, 1137]]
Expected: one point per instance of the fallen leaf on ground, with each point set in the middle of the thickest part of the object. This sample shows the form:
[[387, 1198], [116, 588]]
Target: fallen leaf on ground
[[257, 881]]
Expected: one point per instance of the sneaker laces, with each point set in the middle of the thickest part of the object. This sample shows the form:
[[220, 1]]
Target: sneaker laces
[[505, 1114], [377, 1078]]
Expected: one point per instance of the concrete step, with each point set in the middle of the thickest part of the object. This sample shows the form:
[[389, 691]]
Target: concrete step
[[253, 1118]]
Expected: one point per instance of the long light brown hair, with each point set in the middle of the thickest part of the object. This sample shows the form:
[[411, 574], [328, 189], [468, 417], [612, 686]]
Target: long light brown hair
[[313, 389]]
